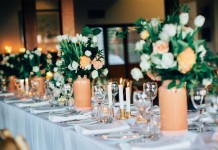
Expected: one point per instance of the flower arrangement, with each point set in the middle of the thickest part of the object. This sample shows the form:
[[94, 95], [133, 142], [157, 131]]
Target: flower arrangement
[[170, 51], [33, 63], [79, 56]]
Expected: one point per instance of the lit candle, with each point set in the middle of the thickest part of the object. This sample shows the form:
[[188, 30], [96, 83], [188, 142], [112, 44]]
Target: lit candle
[[121, 94], [22, 85], [109, 91], [26, 84], [128, 98]]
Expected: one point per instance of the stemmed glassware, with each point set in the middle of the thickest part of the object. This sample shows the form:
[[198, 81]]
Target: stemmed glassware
[[66, 91], [114, 88], [197, 101], [152, 88], [35, 86], [18, 87]]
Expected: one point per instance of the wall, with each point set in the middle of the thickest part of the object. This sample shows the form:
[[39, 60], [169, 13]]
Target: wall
[[216, 25], [10, 34], [117, 11]]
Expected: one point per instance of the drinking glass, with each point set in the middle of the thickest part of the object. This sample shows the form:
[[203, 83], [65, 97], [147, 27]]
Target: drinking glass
[[99, 94], [114, 88], [35, 86], [18, 87], [197, 101], [152, 88], [66, 91]]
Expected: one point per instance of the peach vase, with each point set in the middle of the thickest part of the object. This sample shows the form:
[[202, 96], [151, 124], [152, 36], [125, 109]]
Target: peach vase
[[11, 87], [82, 93], [173, 109], [41, 81]]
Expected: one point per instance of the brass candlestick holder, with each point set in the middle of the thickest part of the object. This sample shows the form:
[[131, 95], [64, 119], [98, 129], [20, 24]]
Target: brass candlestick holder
[[128, 115], [122, 114]]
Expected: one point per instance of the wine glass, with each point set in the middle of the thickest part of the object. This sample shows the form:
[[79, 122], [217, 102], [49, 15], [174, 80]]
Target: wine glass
[[114, 88], [212, 108], [99, 93], [18, 87], [197, 100], [35, 86], [152, 88], [66, 91]]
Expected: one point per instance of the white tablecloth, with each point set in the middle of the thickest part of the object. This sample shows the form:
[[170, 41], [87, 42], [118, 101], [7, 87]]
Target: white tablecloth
[[42, 134]]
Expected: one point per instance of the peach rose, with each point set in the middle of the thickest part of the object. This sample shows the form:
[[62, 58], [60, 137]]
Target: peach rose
[[98, 64], [161, 47], [84, 61], [144, 34], [186, 60]]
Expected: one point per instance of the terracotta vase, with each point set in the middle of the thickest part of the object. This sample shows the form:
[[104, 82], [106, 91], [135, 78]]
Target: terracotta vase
[[41, 81], [82, 93], [173, 109], [11, 87]]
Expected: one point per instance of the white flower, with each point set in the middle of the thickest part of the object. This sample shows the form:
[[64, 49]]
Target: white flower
[[145, 65], [160, 47], [73, 39], [57, 92], [25, 56], [59, 38], [73, 66], [35, 69], [58, 76], [58, 47], [186, 31], [79, 37], [59, 62], [105, 72], [7, 64], [94, 39], [12, 66], [31, 56], [28, 52], [88, 53], [155, 59], [139, 45], [164, 36], [199, 21], [94, 74], [170, 29], [37, 52], [206, 82], [203, 53], [84, 39], [168, 61], [145, 57], [183, 18], [65, 37], [154, 22], [55, 69], [143, 23], [201, 49], [88, 67], [136, 74]]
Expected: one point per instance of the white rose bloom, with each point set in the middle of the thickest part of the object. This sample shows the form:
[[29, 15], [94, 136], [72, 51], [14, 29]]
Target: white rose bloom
[[170, 29], [35, 69], [84, 39], [12, 66], [37, 52], [65, 37], [94, 74], [143, 23], [203, 53], [28, 52], [201, 48], [73, 66], [139, 45], [136, 74], [168, 61], [145, 65], [164, 36], [88, 67], [7, 64], [73, 39], [183, 18], [105, 72], [94, 39], [154, 59], [199, 21], [59, 38], [6, 58], [154, 22], [25, 56], [31, 56], [31, 73], [145, 57], [51, 85], [58, 47], [56, 92], [186, 31], [88, 53], [79, 37], [55, 69], [59, 62]]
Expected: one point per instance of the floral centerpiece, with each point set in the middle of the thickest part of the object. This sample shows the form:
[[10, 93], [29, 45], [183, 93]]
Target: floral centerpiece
[[170, 50]]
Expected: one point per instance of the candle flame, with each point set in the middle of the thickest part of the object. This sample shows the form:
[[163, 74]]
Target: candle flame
[[121, 80]]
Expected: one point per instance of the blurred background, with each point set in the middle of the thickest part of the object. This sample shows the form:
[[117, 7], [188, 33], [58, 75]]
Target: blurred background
[[27, 24]]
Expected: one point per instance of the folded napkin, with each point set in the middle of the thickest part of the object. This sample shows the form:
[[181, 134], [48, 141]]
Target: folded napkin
[[101, 129], [54, 118], [6, 94], [46, 110], [22, 105], [17, 100]]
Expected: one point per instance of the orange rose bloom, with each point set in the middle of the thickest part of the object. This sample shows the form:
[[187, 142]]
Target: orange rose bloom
[[186, 60], [84, 61], [144, 34]]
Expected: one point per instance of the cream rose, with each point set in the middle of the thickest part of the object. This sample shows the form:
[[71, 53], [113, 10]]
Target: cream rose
[[94, 74], [35, 69], [170, 29], [139, 45], [160, 47], [206, 82], [145, 65], [73, 66], [105, 72], [88, 53], [167, 61], [136, 74], [144, 35], [164, 36]]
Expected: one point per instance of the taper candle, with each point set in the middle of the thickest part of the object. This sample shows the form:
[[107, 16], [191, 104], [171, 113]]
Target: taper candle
[[121, 94]]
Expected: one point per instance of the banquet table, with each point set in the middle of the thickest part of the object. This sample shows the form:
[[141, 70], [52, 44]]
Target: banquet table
[[41, 134]]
